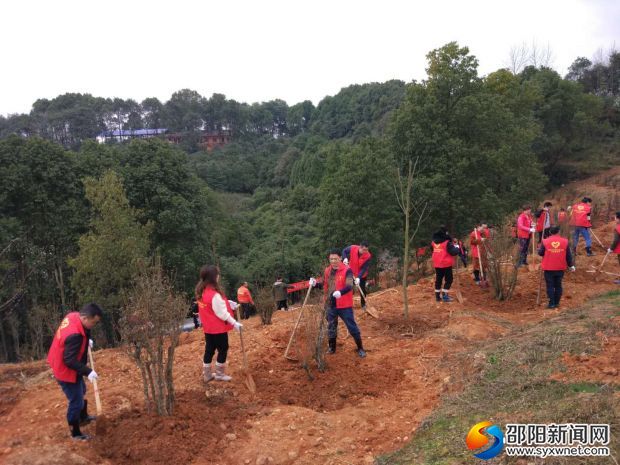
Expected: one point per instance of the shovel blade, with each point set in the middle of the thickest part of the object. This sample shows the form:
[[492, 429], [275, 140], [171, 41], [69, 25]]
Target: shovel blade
[[459, 297]]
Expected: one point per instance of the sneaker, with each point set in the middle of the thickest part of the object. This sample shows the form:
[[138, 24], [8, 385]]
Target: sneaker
[[477, 282], [551, 305], [86, 420], [331, 350], [447, 298], [361, 353], [81, 437]]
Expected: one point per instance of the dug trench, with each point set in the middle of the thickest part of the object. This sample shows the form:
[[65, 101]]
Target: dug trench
[[353, 412]]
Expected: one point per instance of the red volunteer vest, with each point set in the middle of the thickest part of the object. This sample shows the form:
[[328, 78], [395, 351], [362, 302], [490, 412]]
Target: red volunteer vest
[[540, 223], [346, 301], [617, 249], [211, 324], [580, 215], [420, 252], [555, 253], [356, 262], [523, 220], [70, 325], [475, 235], [441, 257], [561, 217], [244, 296]]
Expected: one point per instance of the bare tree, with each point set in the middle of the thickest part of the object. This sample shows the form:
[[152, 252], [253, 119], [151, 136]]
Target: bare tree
[[518, 58], [151, 327], [414, 214], [534, 55]]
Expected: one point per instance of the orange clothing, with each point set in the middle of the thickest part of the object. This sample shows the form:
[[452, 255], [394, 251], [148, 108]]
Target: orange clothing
[[244, 296]]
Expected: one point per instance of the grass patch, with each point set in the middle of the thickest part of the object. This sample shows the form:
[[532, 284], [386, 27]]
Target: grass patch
[[514, 386]]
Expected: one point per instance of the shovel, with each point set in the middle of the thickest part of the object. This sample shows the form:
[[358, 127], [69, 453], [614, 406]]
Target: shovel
[[540, 280], [249, 380], [100, 422], [459, 296], [483, 279], [290, 341], [597, 239], [533, 266], [370, 310]]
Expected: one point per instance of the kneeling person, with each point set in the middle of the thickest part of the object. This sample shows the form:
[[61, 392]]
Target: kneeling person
[[338, 300]]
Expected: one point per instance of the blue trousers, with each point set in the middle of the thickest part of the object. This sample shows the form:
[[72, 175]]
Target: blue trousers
[[346, 314], [585, 232], [75, 395]]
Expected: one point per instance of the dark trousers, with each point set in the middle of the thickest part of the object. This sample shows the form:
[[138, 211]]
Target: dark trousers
[[443, 275], [195, 318], [282, 304], [524, 245], [363, 288], [215, 342], [246, 310], [75, 395], [553, 279], [544, 234], [346, 314]]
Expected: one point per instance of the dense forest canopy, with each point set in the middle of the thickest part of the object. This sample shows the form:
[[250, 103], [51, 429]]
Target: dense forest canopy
[[77, 217]]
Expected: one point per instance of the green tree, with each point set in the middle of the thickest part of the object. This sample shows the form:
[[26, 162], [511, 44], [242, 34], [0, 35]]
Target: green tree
[[113, 249]]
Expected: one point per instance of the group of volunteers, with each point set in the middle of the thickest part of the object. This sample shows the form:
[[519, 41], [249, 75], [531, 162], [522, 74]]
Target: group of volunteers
[[347, 270]]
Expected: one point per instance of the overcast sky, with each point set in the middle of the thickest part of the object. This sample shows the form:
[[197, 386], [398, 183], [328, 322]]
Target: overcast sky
[[258, 50]]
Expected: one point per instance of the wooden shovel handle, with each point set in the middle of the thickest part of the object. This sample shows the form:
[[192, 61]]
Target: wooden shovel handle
[[301, 311], [95, 386]]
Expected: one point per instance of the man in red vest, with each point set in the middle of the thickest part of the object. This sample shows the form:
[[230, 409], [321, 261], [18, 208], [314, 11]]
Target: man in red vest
[[358, 258], [562, 217], [543, 223], [580, 220], [477, 240], [615, 246], [67, 357], [244, 297], [525, 230], [556, 259], [338, 300]]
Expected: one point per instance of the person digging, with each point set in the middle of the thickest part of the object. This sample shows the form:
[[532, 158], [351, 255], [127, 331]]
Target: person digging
[[615, 246], [337, 288], [67, 357]]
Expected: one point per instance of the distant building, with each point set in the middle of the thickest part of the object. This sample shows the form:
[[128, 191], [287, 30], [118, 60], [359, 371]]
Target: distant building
[[208, 139], [120, 135]]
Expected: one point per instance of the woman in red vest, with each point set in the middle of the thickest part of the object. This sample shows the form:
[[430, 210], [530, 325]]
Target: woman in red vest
[[444, 253], [556, 259], [216, 316], [478, 249], [68, 356], [338, 301], [615, 246]]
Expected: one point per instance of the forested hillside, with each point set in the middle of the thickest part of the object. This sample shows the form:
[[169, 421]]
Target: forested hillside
[[77, 217]]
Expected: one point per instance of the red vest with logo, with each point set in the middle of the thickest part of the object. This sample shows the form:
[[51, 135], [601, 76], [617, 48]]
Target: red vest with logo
[[555, 253], [580, 215], [356, 262], [70, 325], [540, 223], [346, 301], [441, 257], [211, 323], [475, 235], [617, 249]]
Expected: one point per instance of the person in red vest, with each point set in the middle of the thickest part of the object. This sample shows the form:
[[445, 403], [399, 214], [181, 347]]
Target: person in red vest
[[477, 240], [543, 222], [217, 318], [338, 301], [562, 216], [358, 258], [556, 259], [444, 255], [615, 245], [68, 356], [525, 230], [244, 297], [580, 220]]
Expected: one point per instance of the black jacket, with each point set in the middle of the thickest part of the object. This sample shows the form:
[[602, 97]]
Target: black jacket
[[72, 349], [440, 237]]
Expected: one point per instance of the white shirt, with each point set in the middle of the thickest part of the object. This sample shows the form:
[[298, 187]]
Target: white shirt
[[220, 310]]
